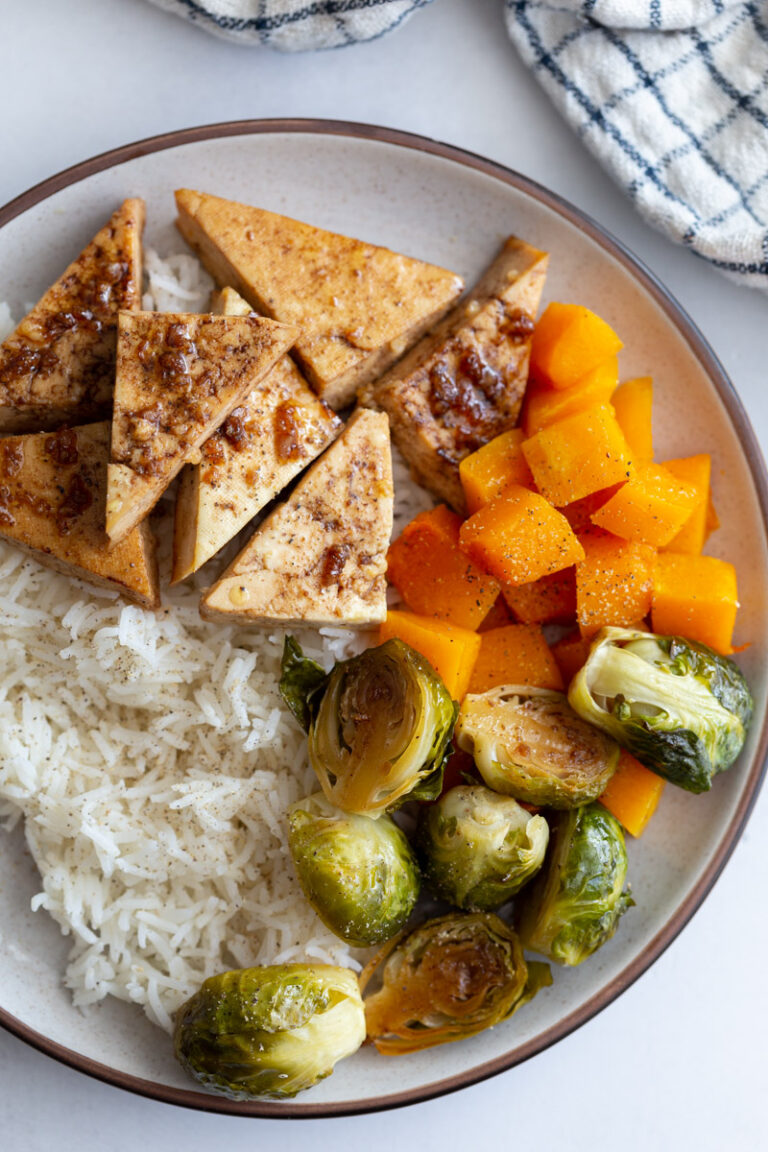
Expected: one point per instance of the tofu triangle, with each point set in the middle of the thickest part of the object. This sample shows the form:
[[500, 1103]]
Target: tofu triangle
[[179, 375], [277, 430], [463, 384], [359, 306], [320, 558], [52, 498], [59, 365]]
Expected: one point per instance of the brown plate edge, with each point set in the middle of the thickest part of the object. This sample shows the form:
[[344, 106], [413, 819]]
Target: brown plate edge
[[739, 419]]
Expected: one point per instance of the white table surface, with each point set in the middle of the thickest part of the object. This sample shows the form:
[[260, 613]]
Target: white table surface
[[679, 1061]]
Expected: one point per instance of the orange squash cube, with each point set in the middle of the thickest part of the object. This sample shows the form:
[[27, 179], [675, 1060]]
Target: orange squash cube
[[498, 617], [487, 472], [633, 794], [517, 654], [571, 653], [548, 600], [575, 457], [614, 583], [695, 597], [432, 574], [632, 402], [694, 472], [713, 520], [579, 514], [451, 651], [650, 508], [568, 342], [519, 537], [544, 406]]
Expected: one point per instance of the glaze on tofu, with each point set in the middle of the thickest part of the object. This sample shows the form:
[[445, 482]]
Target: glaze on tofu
[[59, 365], [52, 496], [179, 375], [320, 558], [464, 383], [359, 307], [280, 427]]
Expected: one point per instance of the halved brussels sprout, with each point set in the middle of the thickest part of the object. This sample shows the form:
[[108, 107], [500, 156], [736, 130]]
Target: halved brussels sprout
[[271, 1031], [681, 709], [574, 904], [450, 978], [477, 848], [359, 874], [379, 725], [529, 743]]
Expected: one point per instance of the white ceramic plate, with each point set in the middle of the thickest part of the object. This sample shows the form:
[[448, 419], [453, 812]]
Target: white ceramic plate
[[451, 208]]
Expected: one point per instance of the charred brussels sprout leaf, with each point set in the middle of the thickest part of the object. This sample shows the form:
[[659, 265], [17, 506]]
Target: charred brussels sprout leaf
[[300, 679], [575, 903], [381, 729], [270, 1031], [477, 849], [449, 978], [681, 709], [529, 743], [359, 874]]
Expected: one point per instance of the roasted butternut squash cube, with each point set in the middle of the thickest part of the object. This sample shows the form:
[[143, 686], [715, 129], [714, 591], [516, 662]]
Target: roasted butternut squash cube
[[695, 597], [633, 794], [498, 617], [486, 473], [579, 455], [451, 651], [548, 600], [650, 508], [545, 405], [517, 654], [433, 575], [632, 402], [579, 514], [568, 342], [713, 520], [571, 653], [519, 537], [692, 471], [614, 582]]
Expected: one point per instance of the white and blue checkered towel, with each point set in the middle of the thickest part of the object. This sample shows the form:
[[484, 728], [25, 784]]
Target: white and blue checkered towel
[[671, 96]]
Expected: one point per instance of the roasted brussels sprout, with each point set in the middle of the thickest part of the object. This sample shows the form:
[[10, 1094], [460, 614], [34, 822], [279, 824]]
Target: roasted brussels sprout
[[270, 1031], [681, 709], [574, 904], [359, 874], [379, 725], [447, 979], [530, 744], [477, 848]]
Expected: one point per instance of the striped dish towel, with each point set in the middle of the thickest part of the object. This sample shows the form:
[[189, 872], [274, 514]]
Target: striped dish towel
[[670, 95]]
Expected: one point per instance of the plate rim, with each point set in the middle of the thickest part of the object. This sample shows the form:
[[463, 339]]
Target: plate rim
[[754, 459]]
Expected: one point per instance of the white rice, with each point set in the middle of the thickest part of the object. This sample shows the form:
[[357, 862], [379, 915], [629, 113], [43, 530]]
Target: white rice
[[152, 760]]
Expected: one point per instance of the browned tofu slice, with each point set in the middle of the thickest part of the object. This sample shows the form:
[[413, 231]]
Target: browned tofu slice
[[59, 365], [179, 375], [464, 383], [359, 307], [320, 558], [280, 427], [52, 494]]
